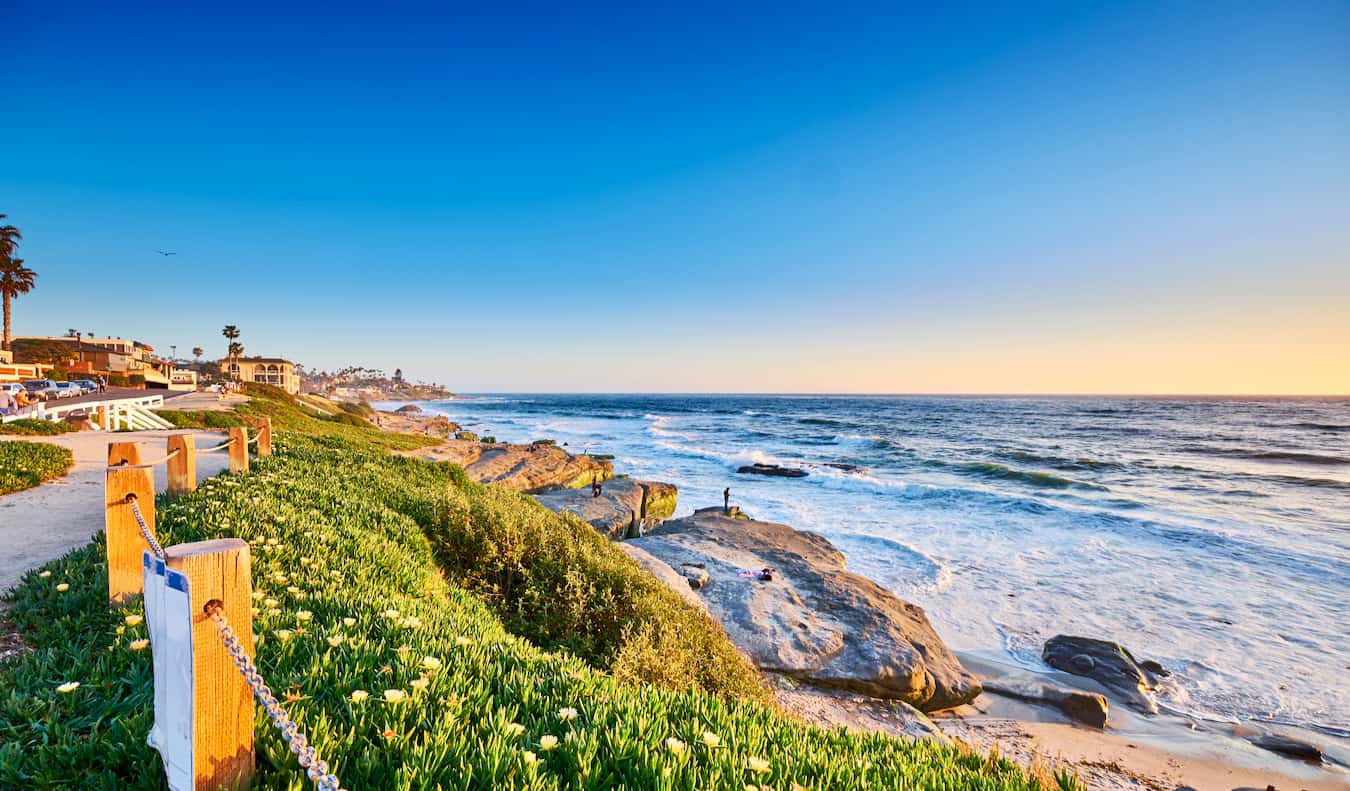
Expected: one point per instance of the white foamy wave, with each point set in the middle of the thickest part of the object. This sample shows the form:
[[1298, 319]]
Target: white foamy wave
[[892, 564]]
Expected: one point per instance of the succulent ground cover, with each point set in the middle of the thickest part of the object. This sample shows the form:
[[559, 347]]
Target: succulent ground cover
[[24, 465], [403, 679], [32, 427]]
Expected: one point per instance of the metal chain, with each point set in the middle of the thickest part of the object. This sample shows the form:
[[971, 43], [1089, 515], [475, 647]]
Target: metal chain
[[308, 757], [145, 531]]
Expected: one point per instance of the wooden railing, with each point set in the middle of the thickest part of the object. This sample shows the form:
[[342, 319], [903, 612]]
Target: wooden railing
[[111, 415]]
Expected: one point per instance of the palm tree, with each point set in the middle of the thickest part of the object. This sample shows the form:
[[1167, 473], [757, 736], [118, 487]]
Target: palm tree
[[15, 279], [231, 332], [197, 352], [9, 240]]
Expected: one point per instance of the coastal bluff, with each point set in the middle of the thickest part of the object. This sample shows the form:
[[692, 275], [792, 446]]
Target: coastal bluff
[[620, 500], [814, 620], [525, 468]]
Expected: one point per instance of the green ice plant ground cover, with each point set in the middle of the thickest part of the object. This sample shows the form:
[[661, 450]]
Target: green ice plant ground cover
[[24, 465], [400, 679]]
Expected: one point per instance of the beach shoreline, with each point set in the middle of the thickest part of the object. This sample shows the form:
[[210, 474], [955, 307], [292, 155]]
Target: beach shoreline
[[1163, 751]]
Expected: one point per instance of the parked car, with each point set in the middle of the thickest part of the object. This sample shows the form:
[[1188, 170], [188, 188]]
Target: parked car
[[68, 390], [87, 385], [41, 389], [13, 388]]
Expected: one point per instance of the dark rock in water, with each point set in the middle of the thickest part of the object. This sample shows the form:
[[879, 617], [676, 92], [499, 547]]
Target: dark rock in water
[[1286, 745], [814, 621], [845, 467], [1155, 668], [1085, 707], [773, 469], [1105, 662]]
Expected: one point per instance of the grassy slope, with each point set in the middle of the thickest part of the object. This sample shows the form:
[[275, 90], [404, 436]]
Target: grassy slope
[[24, 465], [347, 526]]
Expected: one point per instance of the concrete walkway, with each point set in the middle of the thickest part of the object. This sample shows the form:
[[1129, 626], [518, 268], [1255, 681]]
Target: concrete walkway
[[43, 523]]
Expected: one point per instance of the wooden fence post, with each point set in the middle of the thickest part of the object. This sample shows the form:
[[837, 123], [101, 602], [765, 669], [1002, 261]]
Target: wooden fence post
[[123, 535], [238, 449], [263, 425], [222, 703], [103, 419], [182, 468]]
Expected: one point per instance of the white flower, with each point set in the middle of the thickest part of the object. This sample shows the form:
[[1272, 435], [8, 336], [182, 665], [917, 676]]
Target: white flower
[[68, 687], [757, 765], [63, 587], [548, 742], [514, 729], [711, 739], [390, 613], [335, 640], [675, 745], [567, 714], [419, 684], [462, 640], [359, 695], [394, 695], [349, 622], [412, 622], [271, 602], [303, 615], [284, 634], [530, 758], [431, 663], [133, 620], [44, 574], [257, 595]]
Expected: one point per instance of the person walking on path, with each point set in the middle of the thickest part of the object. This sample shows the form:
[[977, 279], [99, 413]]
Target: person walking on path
[[102, 384], [726, 500]]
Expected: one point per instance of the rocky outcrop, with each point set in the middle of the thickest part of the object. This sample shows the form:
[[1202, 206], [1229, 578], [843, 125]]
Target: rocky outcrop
[[772, 470], [814, 620], [1107, 663], [663, 572], [525, 468], [620, 499], [1088, 708]]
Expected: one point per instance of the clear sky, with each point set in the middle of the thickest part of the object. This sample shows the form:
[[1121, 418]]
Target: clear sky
[[1081, 197]]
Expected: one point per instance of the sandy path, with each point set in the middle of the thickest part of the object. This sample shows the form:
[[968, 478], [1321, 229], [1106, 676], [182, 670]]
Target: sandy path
[[43, 523]]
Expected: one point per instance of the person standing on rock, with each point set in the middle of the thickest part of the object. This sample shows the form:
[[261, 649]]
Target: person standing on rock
[[726, 500]]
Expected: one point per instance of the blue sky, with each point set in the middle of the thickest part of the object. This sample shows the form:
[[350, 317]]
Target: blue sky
[[1080, 197]]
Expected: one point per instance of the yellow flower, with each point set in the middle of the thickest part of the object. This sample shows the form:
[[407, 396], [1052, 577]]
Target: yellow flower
[[514, 729], [349, 622], [711, 739], [68, 687], [284, 634], [359, 695], [530, 758], [548, 742], [758, 765], [257, 595], [63, 587], [462, 640], [412, 622], [271, 541], [121, 629], [44, 574], [567, 714], [675, 745], [132, 620], [256, 612], [274, 611], [303, 615], [271, 602], [335, 640], [139, 645], [394, 695], [292, 589], [419, 684], [390, 613], [431, 663]]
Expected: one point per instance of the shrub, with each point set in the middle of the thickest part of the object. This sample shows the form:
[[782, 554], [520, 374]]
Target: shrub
[[347, 530], [119, 380], [204, 419], [348, 419], [24, 465], [135, 380], [32, 427]]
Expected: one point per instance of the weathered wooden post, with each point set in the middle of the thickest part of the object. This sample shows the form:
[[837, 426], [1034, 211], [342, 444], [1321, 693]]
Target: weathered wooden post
[[182, 464], [238, 449], [123, 534], [103, 419], [218, 573], [263, 425]]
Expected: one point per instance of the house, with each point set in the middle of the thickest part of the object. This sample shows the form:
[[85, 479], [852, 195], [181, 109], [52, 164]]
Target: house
[[274, 371]]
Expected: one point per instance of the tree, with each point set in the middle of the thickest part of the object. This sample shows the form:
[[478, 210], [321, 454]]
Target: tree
[[398, 375], [231, 333], [15, 278], [197, 352]]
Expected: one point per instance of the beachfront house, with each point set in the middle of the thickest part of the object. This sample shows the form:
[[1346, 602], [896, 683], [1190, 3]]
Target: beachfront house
[[273, 371]]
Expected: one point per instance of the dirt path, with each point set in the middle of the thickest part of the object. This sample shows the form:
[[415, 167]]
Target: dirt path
[[43, 523]]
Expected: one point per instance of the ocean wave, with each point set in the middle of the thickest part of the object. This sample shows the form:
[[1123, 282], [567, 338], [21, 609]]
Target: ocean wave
[[1060, 462], [990, 470], [892, 564], [1293, 457]]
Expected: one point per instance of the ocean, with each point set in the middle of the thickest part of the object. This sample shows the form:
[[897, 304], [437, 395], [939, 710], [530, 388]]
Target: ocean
[[1210, 534]]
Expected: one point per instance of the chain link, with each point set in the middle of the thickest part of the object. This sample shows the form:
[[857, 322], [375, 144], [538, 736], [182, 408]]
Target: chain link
[[308, 757], [145, 530]]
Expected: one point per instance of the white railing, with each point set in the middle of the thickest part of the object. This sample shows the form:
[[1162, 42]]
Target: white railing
[[120, 413]]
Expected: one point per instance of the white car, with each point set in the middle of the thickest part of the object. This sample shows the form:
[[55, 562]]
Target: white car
[[68, 390]]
